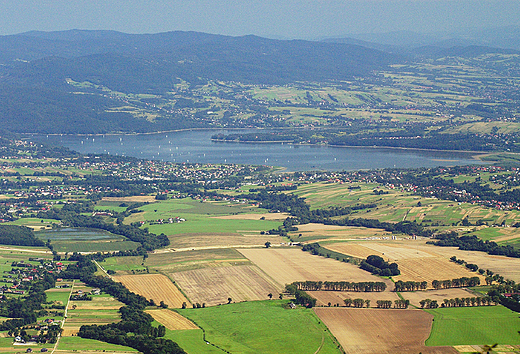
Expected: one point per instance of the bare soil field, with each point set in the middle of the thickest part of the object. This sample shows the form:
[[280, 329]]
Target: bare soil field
[[266, 216], [378, 331], [336, 297], [135, 198], [153, 286], [439, 295], [287, 265], [222, 240], [214, 286], [171, 319]]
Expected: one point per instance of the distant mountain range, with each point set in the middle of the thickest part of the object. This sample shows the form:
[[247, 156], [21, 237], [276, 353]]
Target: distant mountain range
[[34, 67], [410, 42]]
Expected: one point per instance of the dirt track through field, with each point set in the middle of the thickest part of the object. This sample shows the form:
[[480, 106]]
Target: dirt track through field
[[378, 331]]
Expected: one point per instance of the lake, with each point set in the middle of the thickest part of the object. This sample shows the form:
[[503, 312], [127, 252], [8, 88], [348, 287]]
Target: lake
[[196, 146]]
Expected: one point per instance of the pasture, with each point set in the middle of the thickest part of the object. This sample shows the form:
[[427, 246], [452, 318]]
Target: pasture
[[192, 341], [287, 265], [213, 286], [78, 345], [474, 326], [380, 331], [155, 287], [207, 223], [263, 327]]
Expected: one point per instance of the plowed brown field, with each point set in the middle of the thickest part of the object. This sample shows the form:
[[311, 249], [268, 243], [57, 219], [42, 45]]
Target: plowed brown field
[[214, 286], [377, 331], [292, 264], [153, 286], [171, 320]]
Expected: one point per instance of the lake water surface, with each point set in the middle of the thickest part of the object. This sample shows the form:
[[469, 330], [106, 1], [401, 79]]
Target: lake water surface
[[196, 146]]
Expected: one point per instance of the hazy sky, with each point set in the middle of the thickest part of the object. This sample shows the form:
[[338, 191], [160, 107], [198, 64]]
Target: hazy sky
[[309, 19]]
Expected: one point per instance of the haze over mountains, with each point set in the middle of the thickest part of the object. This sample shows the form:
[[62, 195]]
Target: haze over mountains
[[35, 67]]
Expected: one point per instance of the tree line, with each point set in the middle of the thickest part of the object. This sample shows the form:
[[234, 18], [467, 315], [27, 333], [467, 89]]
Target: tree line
[[456, 283], [368, 286], [410, 285]]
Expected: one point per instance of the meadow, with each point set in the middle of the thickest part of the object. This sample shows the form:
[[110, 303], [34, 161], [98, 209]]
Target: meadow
[[263, 327], [474, 325]]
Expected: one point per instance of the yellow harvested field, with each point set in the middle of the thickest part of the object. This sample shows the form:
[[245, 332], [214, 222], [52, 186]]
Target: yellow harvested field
[[416, 296], [432, 268], [70, 331], [153, 286], [336, 297], [391, 251], [266, 216], [171, 319], [417, 261], [342, 232], [377, 331], [287, 265], [213, 286], [508, 267]]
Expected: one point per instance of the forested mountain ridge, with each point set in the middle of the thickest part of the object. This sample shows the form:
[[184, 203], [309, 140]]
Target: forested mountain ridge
[[94, 82], [184, 55], [36, 97]]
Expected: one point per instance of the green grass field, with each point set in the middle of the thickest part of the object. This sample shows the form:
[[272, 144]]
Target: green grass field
[[192, 341], [199, 217], [78, 343], [474, 325], [263, 327]]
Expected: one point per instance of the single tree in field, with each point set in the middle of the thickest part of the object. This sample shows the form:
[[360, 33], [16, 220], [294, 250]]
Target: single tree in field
[[270, 296], [267, 244], [229, 300], [280, 296]]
